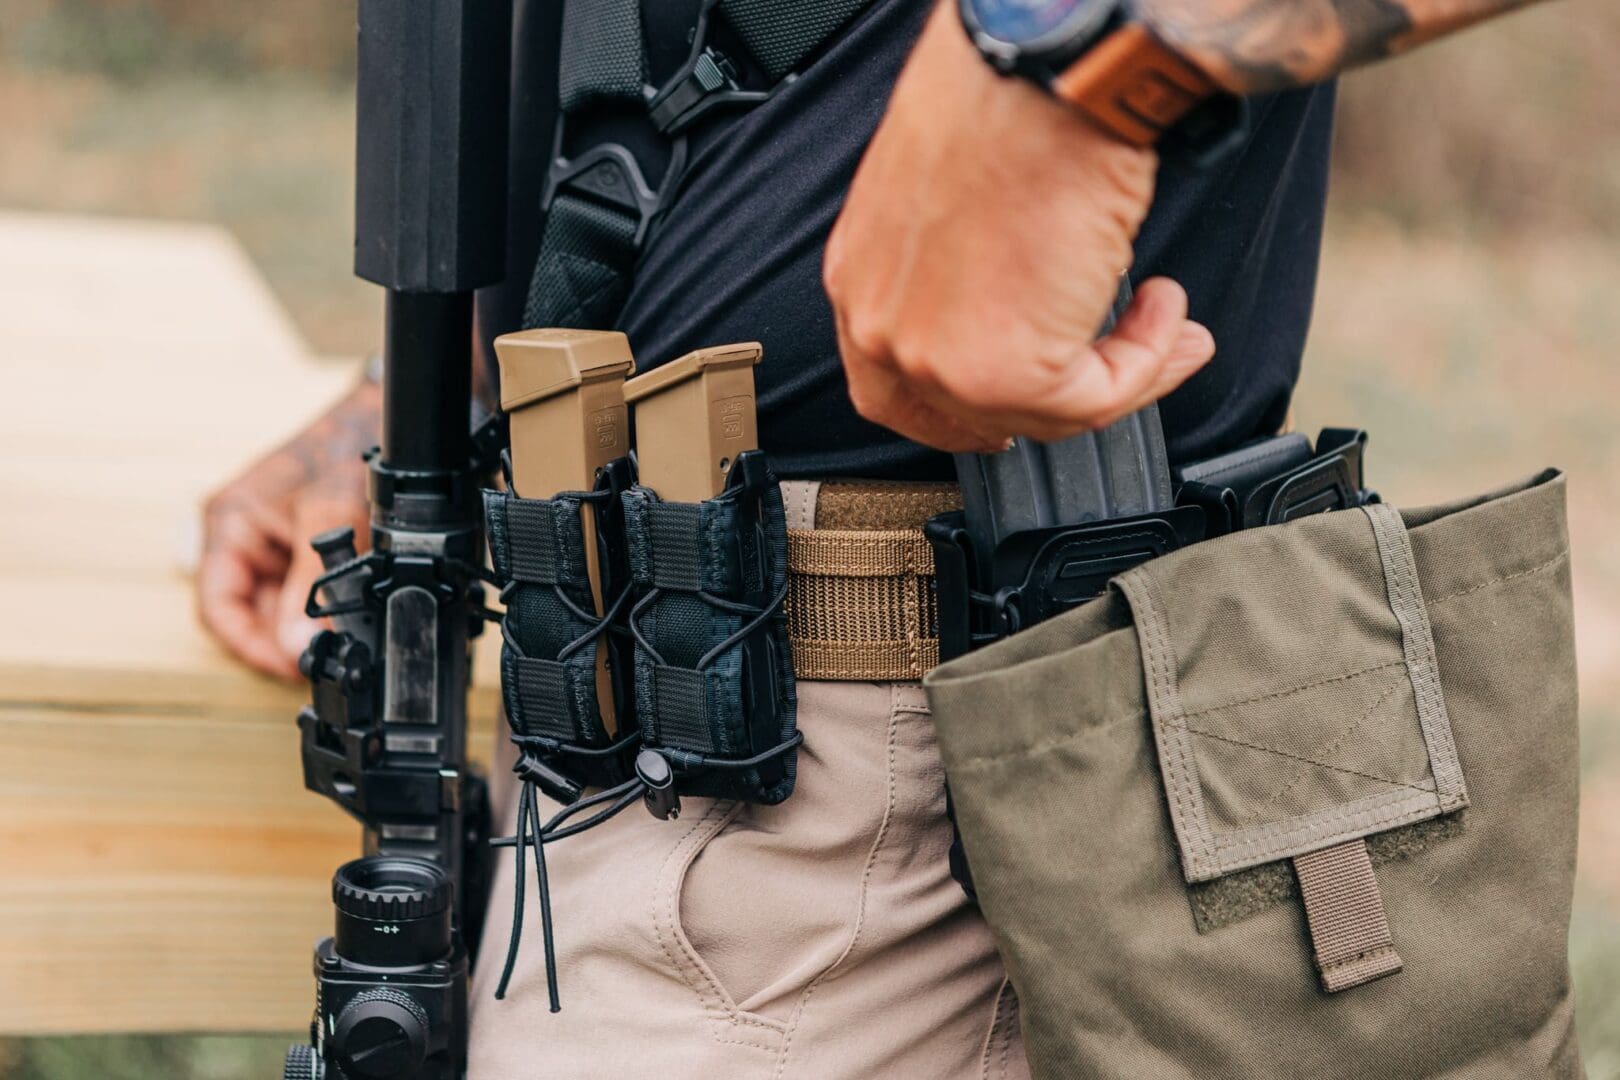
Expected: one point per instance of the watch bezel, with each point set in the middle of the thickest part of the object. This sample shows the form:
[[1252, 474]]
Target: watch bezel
[[1050, 52]]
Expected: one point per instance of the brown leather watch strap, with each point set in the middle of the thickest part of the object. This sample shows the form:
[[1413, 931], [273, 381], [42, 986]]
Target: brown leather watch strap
[[1132, 85]]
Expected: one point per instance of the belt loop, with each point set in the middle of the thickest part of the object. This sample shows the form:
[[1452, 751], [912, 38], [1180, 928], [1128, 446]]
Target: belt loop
[[799, 498]]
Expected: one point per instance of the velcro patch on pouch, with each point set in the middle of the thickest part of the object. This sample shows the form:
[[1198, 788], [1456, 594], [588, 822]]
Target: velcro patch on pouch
[[1241, 895]]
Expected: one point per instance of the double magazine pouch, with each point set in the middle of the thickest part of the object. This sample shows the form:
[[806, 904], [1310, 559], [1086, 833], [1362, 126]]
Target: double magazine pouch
[[552, 636], [1296, 801], [713, 675], [693, 629]]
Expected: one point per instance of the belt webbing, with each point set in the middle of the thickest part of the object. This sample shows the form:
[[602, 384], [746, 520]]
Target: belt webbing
[[861, 604]]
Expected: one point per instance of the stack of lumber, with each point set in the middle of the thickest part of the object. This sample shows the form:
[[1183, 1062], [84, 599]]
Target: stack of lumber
[[163, 868]]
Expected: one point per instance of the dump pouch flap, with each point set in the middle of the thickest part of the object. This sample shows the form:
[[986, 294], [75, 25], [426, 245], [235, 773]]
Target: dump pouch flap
[[1298, 706], [1296, 801]]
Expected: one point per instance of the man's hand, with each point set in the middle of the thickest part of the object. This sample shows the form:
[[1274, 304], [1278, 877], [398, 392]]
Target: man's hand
[[979, 250], [257, 565]]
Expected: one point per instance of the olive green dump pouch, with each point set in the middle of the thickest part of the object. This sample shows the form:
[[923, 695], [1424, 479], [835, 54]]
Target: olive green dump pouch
[[1296, 802]]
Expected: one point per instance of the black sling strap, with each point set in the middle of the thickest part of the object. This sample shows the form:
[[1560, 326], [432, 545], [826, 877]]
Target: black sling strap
[[781, 33], [598, 202]]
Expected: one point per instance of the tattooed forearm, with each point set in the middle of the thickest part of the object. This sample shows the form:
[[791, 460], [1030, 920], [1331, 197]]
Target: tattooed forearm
[[1249, 46], [328, 452]]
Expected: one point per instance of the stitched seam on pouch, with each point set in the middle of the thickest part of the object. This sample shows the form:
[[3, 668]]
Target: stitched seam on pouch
[[1273, 695], [1178, 763], [1264, 843], [1310, 761], [1020, 752], [1405, 595], [1327, 751], [1542, 567], [1365, 954]]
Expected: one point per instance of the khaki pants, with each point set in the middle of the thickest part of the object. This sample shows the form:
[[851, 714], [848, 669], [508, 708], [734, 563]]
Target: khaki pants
[[823, 938]]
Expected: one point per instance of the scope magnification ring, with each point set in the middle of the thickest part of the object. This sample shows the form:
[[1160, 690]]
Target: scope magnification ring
[[389, 888]]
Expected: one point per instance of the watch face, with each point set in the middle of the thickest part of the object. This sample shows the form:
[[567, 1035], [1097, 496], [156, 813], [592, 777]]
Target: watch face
[[1037, 24]]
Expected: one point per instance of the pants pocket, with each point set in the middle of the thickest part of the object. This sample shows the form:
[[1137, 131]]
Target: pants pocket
[[768, 899]]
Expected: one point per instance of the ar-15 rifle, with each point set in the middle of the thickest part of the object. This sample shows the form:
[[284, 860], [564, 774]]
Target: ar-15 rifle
[[385, 735]]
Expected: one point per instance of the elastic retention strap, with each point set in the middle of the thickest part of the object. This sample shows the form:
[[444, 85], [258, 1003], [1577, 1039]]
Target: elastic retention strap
[[531, 834]]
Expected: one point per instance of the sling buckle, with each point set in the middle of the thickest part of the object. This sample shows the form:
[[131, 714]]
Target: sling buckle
[[607, 174], [707, 81]]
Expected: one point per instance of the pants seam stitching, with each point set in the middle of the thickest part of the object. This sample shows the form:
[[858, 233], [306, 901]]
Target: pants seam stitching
[[866, 877]]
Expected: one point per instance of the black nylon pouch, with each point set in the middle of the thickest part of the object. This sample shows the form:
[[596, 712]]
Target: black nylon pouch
[[552, 636], [713, 673]]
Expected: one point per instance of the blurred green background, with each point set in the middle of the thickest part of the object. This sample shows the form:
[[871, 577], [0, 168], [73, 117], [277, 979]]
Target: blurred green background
[[1468, 314]]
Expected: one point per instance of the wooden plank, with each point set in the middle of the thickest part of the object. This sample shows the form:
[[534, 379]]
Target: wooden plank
[[162, 856], [132, 642], [173, 857], [163, 868]]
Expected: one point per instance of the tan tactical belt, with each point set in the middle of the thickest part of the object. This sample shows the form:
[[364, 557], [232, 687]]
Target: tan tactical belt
[[860, 603]]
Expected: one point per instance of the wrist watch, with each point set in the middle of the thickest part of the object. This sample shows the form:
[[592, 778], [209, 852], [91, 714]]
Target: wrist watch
[[1099, 59]]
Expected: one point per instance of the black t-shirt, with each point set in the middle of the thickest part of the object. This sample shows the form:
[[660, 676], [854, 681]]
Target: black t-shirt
[[738, 256]]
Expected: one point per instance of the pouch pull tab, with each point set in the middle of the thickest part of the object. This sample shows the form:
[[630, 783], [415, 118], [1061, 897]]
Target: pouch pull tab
[[653, 769], [1344, 911]]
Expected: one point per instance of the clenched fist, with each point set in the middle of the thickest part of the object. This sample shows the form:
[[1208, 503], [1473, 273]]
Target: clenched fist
[[978, 252]]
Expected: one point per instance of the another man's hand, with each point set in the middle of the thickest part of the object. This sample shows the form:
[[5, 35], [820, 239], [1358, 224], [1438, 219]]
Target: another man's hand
[[978, 251], [257, 565]]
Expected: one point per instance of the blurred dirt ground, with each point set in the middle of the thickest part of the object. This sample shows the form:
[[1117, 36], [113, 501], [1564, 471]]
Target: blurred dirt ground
[[1468, 314]]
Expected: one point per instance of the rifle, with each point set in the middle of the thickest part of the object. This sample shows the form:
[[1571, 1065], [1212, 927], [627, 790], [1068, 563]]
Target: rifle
[[385, 734]]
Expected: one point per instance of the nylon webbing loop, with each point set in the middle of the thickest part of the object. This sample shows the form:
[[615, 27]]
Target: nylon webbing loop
[[603, 55], [677, 546], [541, 704], [529, 543], [682, 709], [781, 33], [1345, 912]]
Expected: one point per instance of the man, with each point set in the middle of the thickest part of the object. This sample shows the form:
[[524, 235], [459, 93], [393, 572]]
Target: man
[[976, 250]]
